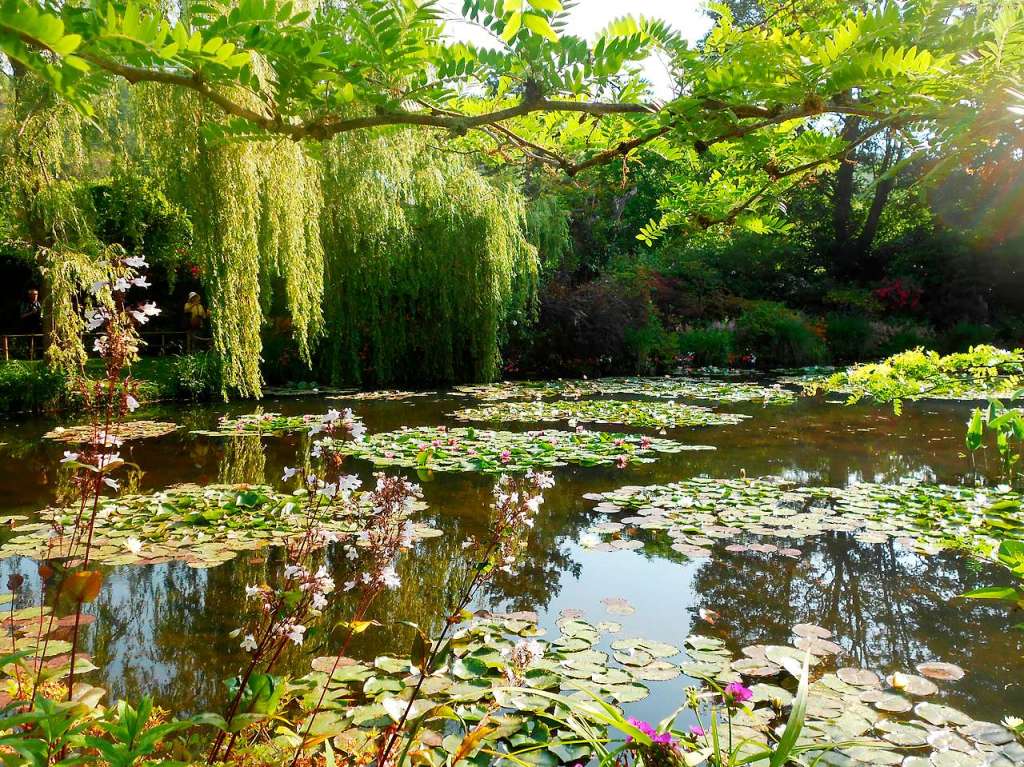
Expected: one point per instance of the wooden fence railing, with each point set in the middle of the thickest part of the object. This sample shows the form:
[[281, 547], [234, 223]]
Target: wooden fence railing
[[159, 343]]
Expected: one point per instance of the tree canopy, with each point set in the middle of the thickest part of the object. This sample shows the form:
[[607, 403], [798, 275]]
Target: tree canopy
[[751, 116]]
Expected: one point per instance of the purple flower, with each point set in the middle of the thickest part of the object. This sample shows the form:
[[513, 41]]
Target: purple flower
[[736, 694], [697, 731], [661, 738]]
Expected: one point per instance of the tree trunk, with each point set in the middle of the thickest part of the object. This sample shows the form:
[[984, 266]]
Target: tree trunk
[[843, 252], [882, 191]]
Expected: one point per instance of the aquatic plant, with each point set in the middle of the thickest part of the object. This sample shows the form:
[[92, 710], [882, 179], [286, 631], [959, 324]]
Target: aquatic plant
[[699, 513], [658, 415], [124, 431], [676, 387], [265, 423], [495, 452]]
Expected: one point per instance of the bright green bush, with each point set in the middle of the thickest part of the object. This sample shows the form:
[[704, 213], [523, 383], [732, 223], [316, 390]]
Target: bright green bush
[[706, 346], [196, 376], [848, 336], [778, 336], [30, 387]]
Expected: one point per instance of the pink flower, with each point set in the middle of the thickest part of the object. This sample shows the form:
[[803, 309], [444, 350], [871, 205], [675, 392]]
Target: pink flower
[[735, 694], [660, 738], [505, 456], [697, 731], [622, 461], [645, 443]]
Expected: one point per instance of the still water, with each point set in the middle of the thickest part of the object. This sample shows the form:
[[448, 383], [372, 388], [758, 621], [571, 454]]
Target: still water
[[164, 628]]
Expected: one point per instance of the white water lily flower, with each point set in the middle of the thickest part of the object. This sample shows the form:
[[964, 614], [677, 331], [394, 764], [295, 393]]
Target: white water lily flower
[[131, 403], [69, 456], [134, 545]]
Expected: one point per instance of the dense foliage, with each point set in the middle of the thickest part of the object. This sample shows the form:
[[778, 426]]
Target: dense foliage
[[252, 147]]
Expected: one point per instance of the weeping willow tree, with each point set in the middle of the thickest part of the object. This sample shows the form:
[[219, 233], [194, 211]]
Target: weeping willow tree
[[46, 210], [255, 212], [426, 263]]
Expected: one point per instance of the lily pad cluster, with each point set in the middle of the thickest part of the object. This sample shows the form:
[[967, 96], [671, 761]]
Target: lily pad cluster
[[267, 423], [469, 449], [498, 680], [854, 716], [502, 677], [203, 526], [125, 430], [699, 513], [302, 391], [390, 395], [676, 387], [642, 413]]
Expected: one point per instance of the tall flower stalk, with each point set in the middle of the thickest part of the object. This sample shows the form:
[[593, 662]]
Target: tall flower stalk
[[115, 321], [517, 501]]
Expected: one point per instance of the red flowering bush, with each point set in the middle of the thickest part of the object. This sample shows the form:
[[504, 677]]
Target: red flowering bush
[[899, 296]]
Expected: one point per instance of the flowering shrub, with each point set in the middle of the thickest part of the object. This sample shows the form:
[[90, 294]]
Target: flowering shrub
[[899, 296]]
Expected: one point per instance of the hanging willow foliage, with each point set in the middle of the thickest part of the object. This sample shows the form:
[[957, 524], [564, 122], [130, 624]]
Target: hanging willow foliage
[[47, 210], [255, 211], [426, 263]]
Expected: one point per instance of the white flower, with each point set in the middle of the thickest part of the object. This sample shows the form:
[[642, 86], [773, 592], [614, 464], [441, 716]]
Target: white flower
[[251, 591], [348, 483], [351, 553], [136, 262], [319, 602], [294, 571], [69, 456], [249, 643], [97, 287], [134, 545], [121, 285], [289, 472], [131, 403], [332, 416], [1013, 722], [328, 491], [390, 577], [358, 431], [111, 483], [141, 282], [96, 320], [349, 585], [295, 632]]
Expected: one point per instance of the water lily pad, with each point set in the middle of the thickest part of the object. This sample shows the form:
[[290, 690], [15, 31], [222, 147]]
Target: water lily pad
[[941, 671], [859, 677]]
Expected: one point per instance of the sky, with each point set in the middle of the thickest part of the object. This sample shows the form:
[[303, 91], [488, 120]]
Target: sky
[[590, 16]]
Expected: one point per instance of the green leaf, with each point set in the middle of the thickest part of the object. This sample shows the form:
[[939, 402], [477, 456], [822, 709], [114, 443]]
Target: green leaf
[[539, 26]]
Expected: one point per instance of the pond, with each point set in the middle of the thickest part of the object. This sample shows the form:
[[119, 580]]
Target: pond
[[164, 628]]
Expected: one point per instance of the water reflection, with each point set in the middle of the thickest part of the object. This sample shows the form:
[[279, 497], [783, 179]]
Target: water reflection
[[165, 628]]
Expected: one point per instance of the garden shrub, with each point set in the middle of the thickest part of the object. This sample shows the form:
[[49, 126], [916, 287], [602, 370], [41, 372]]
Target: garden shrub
[[31, 387], [893, 338], [848, 336], [706, 346], [778, 336], [964, 335], [653, 347], [196, 376]]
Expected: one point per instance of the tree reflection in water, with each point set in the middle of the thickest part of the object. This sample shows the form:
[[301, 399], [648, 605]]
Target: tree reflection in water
[[889, 609]]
